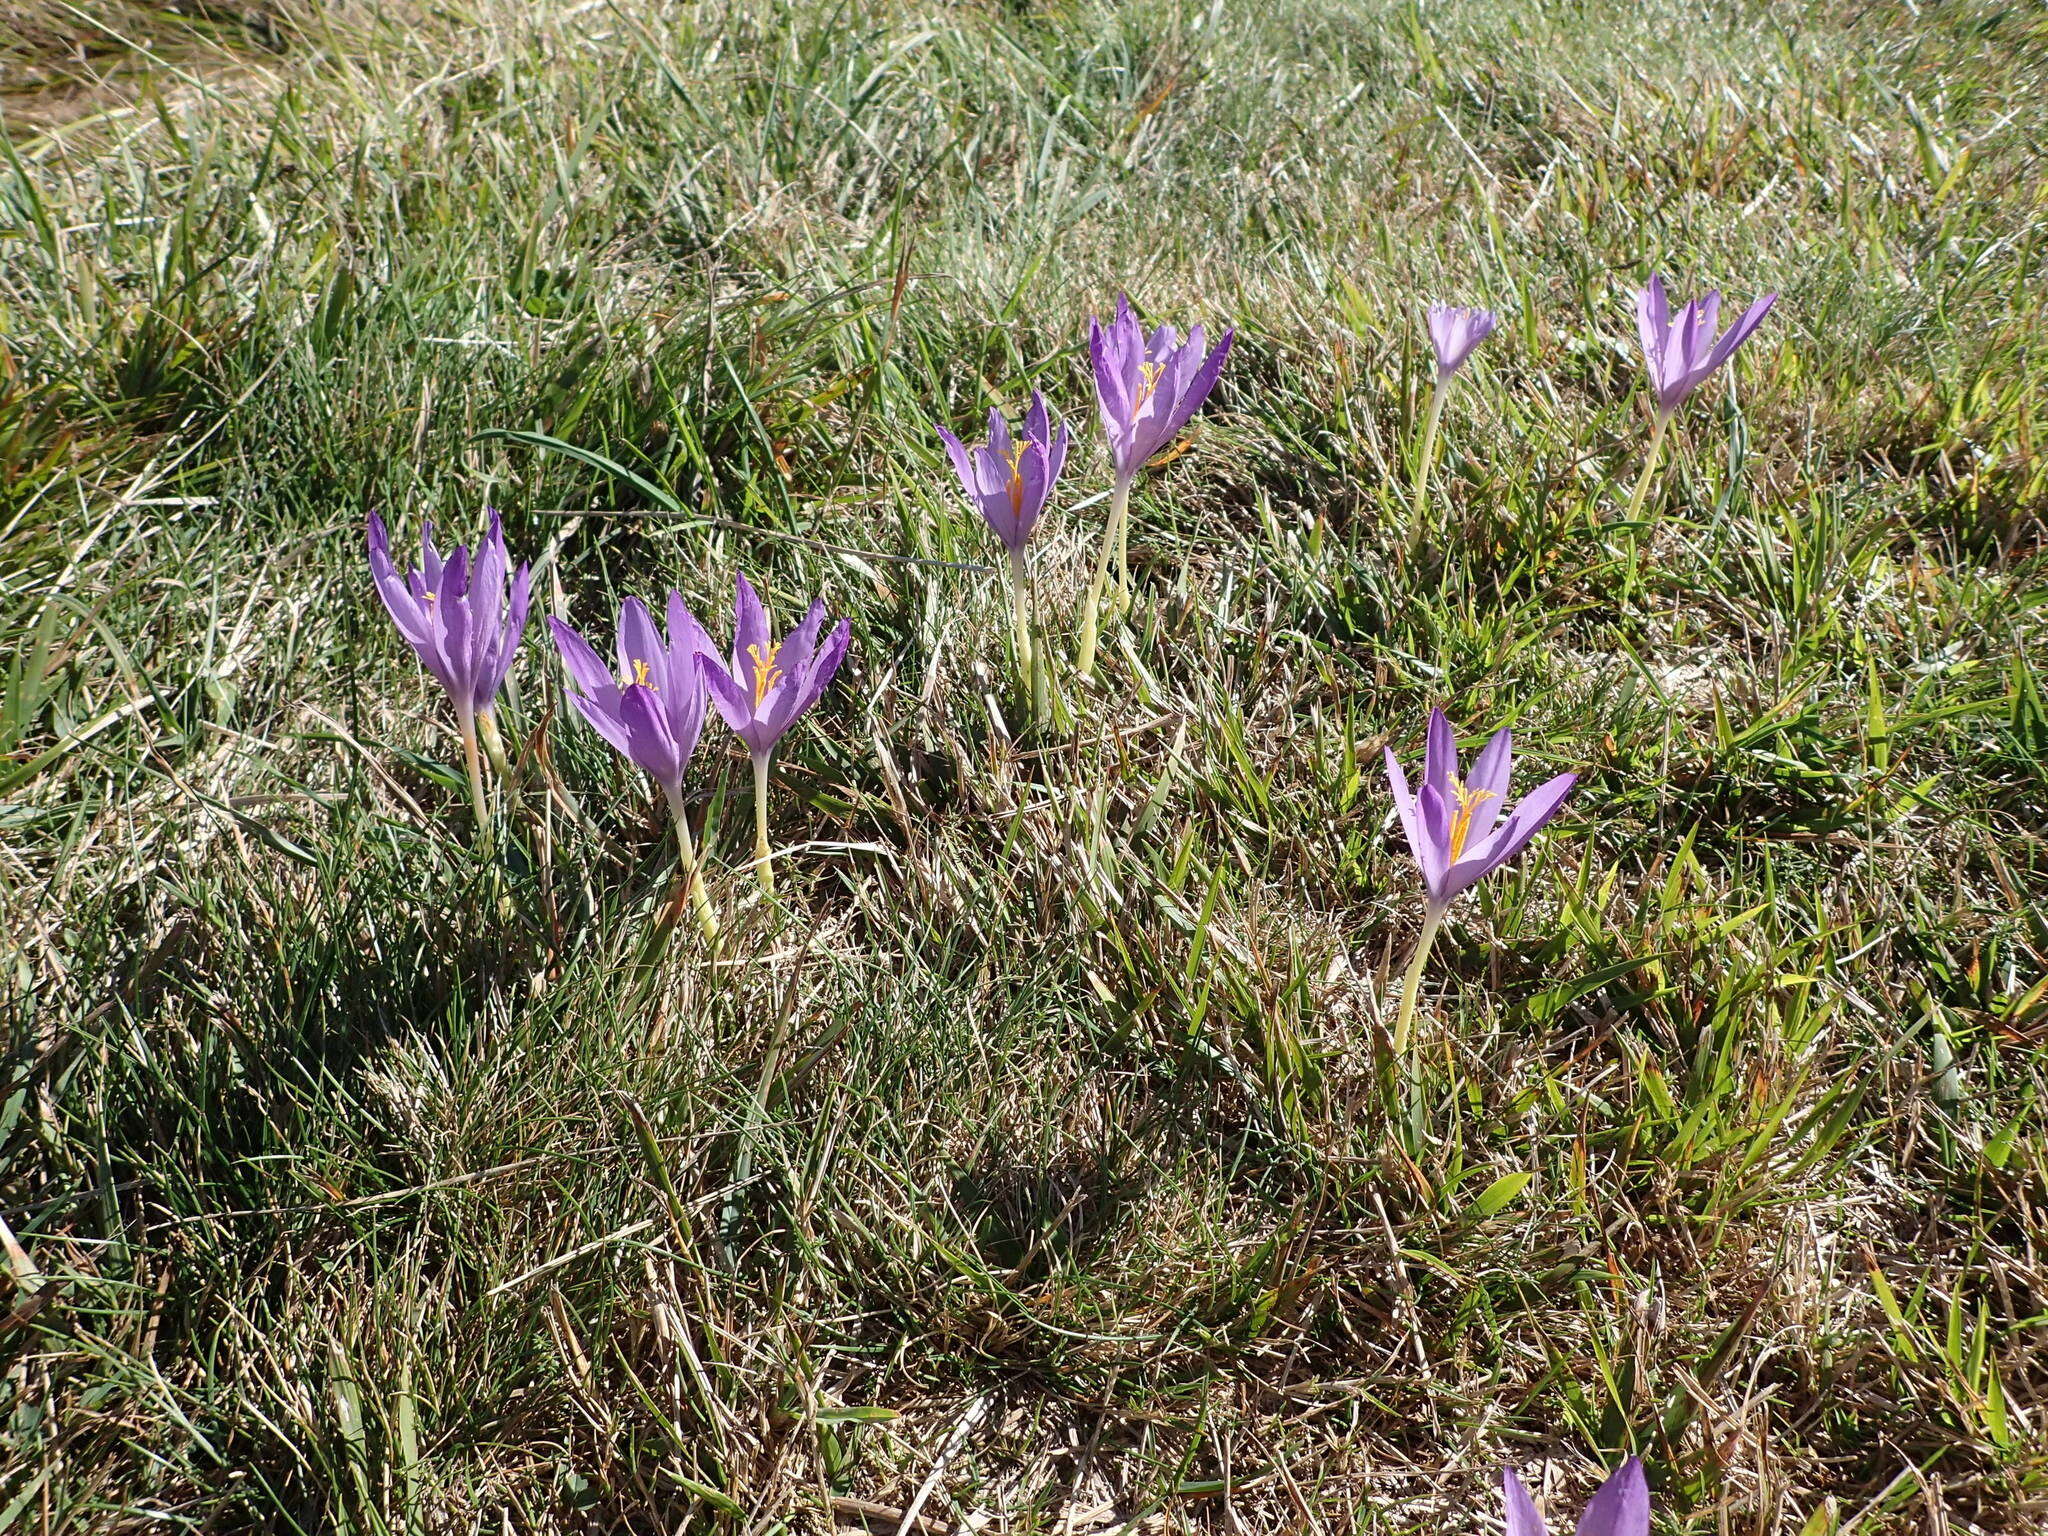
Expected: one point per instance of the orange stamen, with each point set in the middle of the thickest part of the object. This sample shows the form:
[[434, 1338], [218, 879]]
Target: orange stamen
[[1468, 802], [1151, 373], [1016, 487], [765, 671]]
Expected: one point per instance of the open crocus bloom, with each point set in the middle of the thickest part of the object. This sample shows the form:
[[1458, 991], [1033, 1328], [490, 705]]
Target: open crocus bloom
[[772, 682], [1681, 353], [1621, 1506], [652, 710], [454, 614], [1147, 387], [1454, 826], [1008, 481]]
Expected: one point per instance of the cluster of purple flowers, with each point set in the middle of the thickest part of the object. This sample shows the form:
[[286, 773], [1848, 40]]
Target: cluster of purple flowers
[[1679, 355], [458, 620], [465, 621], [464, 617]]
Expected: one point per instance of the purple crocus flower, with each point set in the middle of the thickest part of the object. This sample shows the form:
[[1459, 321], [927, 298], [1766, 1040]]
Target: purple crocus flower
[[1454, 332], [1620, 1507], [769, 685], [458, 619], [1455, 828], [1147, 387], [652, 712], [1457, 833], [454, 615], [1008, 481], [1681, 354]]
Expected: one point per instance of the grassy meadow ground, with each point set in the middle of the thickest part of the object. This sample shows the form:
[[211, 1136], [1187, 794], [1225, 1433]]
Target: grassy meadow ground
[[1037, 1167]]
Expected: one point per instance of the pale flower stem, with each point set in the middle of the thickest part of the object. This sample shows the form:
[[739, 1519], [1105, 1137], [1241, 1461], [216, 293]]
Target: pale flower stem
[[1411, 984], [1020, 616], [1119, 506], [1041, 661], [763, 855], [1426, 460], [465, 720], [1650, 461], [693, 874], [1123, 563]]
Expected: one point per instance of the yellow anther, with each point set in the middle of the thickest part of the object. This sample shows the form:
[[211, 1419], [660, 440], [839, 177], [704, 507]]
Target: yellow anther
[[1468, 802], [640, 675], [765, 670], [1151, 374]]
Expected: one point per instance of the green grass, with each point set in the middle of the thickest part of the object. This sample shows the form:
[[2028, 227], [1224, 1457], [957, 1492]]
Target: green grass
[[1040, 1155]]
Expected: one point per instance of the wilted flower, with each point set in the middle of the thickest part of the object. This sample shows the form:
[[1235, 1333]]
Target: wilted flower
[[1009, 482], [1680, 354], [1456, 830], [1454, 332], [652, 711], [456, 616], [769, 685], [1620, 1507], [1146, 389]]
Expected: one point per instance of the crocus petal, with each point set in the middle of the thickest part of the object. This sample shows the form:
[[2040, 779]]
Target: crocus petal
[[963, 466], [643, 658], [586, 668], [686, 638], [750, 626], [1537, 808], [1489, 781], [1433, 815], [1705, 317], [1622, 1505], [734, 702], [798, 646], [1523, 1518], [650, 746], [1112, 388], [398, 599], [1440, 760], [603, 718], [509, 635], [451, 657], [487, 583], [1404, 805], [1204, 380], [1740, 331], [1037, 422], [1653, 323], [430, 559], [830, 655]]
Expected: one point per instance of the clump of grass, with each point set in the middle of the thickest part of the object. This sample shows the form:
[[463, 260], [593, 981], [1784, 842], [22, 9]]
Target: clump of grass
[[1032, 1164]]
